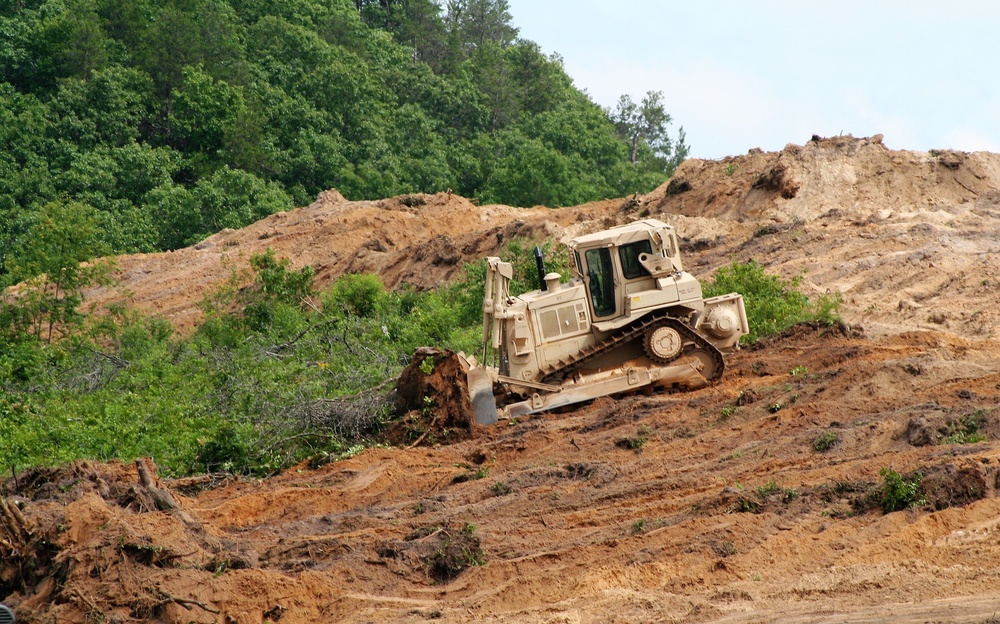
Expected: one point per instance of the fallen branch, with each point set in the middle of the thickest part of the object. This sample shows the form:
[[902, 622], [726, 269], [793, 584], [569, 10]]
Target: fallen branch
[[423, 435], [184, 602]]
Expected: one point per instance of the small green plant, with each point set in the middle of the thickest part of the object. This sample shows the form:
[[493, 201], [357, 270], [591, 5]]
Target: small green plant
[[728, 411], [427, 365], [768, 488], [825, 441], [899, 492], [637, 442], [798, 370], [455, 553], [772, 488], [744, 504], [730, 169], [471, 475], [967, 430], [774, 408], [638, 526], [500, 489]]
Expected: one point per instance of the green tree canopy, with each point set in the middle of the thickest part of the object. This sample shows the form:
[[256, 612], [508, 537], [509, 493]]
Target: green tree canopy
[[643, 126], [173, 118], [51, 257]]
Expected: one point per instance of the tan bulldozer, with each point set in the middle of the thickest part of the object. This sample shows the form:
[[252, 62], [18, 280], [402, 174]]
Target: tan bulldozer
[[629, 318]]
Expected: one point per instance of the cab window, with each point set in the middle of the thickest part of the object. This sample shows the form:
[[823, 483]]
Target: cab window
[[601, 280], [629, 255]]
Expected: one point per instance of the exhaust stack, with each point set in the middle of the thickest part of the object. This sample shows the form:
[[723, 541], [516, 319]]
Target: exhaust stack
[[540, 264]]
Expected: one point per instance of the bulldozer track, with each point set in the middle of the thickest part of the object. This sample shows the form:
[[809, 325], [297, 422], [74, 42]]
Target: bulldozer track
[[630, 333]]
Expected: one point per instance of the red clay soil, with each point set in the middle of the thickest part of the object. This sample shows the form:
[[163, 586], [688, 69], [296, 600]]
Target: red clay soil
[[758, 499]]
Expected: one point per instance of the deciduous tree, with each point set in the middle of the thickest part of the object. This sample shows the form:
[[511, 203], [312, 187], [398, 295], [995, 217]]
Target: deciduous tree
[[644, 126], [52, 258]]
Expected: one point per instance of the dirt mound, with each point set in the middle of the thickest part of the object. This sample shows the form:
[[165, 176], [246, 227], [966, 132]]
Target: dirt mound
[[904, 237], [855, 176], [761, 498], [432, 401]]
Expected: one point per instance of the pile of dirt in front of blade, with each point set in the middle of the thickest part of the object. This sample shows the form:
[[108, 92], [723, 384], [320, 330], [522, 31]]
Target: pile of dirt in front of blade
[[432, 401]]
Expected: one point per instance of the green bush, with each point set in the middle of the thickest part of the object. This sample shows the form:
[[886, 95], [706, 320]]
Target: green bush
[[772, 303], [825, 441], [899, 492], [966, 430], [520, 252]]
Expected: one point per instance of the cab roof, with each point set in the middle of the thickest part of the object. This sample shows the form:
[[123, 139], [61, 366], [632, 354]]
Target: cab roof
[[620, 235]]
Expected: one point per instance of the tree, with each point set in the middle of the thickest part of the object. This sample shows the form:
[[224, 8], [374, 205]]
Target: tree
[[203, 112], [107, 106], [644, 127], [186, 33], [414, 23], [70, 42], [479, 22], [233, 199], [51, 259]]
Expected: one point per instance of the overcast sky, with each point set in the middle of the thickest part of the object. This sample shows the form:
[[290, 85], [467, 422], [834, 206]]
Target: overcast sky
[[739, 74]]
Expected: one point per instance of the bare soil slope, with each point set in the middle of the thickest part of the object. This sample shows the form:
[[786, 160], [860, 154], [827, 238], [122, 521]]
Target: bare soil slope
[[755, 500]]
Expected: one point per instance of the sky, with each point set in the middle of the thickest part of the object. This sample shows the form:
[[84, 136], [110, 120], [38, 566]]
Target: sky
[[742, 74]]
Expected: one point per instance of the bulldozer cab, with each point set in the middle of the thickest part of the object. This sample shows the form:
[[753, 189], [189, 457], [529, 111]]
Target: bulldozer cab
[[619, 262]]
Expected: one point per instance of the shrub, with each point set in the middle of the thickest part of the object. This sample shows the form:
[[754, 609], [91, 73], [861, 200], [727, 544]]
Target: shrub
[[773, 304], [966, 430], [825, 441], [500, 488], [456, 552], [900, 492], [635, 443], [468, 291]]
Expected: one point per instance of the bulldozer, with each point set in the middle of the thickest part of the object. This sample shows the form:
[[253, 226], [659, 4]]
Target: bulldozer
[[629, 318]]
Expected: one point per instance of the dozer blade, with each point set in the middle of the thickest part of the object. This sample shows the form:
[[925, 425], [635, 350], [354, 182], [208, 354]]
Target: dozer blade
[[484, 405], [684, 371]]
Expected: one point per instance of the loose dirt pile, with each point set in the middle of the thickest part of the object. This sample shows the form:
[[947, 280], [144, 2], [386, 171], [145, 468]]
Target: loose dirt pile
[[759, 499]]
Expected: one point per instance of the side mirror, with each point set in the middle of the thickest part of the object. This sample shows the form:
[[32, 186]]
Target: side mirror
[[6, 615]]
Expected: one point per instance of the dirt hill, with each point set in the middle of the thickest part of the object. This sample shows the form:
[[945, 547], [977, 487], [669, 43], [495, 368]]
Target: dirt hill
[[754, 500]]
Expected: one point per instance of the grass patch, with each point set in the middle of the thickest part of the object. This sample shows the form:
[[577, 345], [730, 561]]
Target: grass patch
[[636, 442], [825, 441]]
